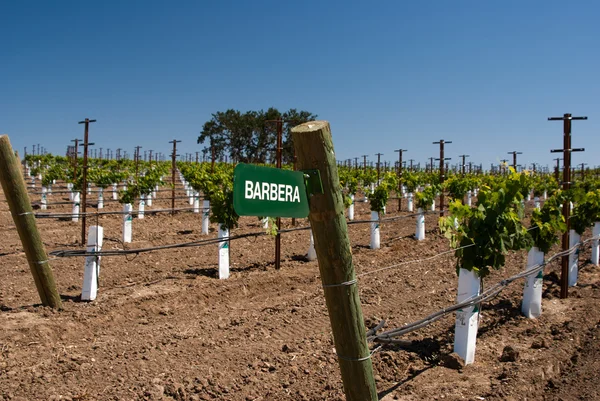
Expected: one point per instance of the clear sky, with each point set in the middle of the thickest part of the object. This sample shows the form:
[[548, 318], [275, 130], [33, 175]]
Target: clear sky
[[385, 74]]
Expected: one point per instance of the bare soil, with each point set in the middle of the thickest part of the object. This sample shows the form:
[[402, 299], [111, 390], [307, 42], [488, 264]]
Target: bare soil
[[165, 328]]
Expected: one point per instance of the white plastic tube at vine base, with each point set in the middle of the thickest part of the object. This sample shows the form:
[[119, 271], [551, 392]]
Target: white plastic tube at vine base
[[50, 187], [420, 233], [149, 200], [469, 195], [351, 209], [114, 192], [410, 202], [574, 239], [89, 189], [545, 195], [265, 222], [142, 207], [91, 270], [223, 253], [595, 243], [100, 198], [190, 196], [375, 243], [536, 202], [532, 293], [433, 206], [528, 197], [75, 211], [205, 216], [196, 202], [467, 319], [127, 222], [312, 253], [44, 198]]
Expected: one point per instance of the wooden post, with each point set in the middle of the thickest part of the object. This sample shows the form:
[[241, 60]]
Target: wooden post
[[278, 220], [314, 147], [19, 203]]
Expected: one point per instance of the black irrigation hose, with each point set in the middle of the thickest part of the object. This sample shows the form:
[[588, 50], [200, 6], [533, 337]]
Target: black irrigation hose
[[208, 241], [289, 230], [118, 252], [388, 336]]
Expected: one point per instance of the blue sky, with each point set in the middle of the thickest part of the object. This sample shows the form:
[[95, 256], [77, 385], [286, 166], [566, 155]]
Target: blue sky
[[389, 74]]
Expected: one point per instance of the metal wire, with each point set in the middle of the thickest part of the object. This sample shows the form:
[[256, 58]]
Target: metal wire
[[64, 215]]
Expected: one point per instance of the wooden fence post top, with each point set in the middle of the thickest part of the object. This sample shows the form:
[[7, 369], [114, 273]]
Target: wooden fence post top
[[310, 126]]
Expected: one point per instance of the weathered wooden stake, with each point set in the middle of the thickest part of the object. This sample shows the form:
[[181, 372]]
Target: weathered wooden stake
[[314, 147], [19, 203]]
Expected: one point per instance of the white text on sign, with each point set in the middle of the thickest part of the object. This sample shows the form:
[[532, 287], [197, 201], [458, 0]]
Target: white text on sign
[[271, 192]]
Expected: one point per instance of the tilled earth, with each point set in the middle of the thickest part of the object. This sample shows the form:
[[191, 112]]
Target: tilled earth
[[165, 327]]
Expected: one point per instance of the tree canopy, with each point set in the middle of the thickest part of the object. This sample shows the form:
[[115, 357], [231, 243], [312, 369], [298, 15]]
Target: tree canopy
[[249, 137]]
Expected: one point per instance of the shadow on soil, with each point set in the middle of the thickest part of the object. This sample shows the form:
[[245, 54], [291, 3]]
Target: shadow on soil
[[437, 351], [429, 350], [72, 298]]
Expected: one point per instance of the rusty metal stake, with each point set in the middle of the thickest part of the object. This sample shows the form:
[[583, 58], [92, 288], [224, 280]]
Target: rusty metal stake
[[86, 143], [566, 150], [400, 152], [442, 160], [515, 153], [378, 164], [136, 157], [463, 162], [173, 168]]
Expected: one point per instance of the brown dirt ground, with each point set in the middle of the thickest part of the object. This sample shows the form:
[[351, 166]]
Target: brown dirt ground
[[164, 327]]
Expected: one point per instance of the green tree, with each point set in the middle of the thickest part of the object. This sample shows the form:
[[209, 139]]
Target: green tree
[[249, 137]]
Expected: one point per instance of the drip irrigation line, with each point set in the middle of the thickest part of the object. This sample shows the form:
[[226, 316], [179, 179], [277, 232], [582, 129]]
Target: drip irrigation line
[[388, 336], [119, 252]]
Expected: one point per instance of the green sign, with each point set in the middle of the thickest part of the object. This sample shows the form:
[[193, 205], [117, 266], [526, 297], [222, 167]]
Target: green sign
[[269, 192]]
